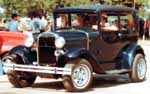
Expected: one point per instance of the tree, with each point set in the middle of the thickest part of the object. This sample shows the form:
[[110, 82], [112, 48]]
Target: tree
[[23, 7]]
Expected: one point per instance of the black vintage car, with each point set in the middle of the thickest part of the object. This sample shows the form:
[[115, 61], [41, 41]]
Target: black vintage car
[[98, 39]]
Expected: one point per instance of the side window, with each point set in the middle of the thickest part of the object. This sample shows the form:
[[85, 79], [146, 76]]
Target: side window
[[61, 21], [126, 22], [109, 22], [117, 22], [84, 20], [90, 21], [76, 20]]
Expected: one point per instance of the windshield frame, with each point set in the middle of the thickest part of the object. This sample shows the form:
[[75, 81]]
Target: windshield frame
[[70, 20]]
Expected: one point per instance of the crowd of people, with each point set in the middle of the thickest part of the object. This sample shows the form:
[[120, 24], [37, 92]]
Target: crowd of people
[[144, 31], [35, 23]]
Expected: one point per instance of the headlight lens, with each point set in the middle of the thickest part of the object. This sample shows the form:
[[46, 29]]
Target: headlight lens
[[29, 41], [60, 42]]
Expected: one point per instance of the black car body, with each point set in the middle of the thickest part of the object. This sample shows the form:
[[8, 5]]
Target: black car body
[[86, 39]]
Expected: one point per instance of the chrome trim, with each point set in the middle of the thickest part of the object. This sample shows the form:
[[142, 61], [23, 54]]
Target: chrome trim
[[59, 52], [48, 35], [117, 71], [37, 55], [37, 69]]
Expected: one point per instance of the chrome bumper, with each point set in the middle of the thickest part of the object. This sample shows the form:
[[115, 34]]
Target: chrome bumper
[[37, 69]]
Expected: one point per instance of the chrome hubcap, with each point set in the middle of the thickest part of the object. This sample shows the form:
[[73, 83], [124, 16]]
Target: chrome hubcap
[[141, 69], [81, 76], [6, 69]]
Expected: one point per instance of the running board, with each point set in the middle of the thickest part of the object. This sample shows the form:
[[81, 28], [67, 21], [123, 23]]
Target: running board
[[37, 69], [117, 71]]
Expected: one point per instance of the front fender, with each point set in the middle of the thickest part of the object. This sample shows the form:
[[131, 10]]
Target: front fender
[[83, 53], [27, 56], [128, 54]]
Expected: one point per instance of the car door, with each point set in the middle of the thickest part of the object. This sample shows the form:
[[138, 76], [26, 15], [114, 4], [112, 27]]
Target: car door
[[112, 40]]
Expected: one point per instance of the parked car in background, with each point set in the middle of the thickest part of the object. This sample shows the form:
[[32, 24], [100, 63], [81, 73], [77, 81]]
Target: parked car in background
[[9, 40], [98, 39], [3, 29]]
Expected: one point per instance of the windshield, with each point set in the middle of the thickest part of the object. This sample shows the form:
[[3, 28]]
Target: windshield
[[76, 20]]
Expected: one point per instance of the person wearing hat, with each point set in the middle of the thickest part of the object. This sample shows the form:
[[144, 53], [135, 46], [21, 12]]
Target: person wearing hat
[[14, 25], [104, 20]]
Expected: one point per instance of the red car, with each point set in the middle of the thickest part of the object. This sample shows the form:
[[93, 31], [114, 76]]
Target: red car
[[9, 40]]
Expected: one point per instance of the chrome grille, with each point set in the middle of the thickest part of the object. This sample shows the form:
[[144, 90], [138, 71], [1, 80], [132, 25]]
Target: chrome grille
[[46, 50]]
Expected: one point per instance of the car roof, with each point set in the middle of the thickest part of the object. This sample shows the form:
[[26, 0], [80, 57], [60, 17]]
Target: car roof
[[93, 9]]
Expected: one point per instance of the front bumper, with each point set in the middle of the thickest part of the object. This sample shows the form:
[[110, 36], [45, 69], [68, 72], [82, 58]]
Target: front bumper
[[37, 69]]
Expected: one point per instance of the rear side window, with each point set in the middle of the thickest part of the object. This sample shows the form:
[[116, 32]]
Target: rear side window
[[109, 22], [77, 21], [116, 22], [127, 22]]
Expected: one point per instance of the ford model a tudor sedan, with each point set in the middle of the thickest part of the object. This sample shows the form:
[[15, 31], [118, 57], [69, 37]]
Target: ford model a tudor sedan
[[89, 39]]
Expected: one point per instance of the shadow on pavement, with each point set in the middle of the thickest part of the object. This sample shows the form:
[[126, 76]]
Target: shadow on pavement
[[50, 85], [7, 93], [98, 82], [110, 81]]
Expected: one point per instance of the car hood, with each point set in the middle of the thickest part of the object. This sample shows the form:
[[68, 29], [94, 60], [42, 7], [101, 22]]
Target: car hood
[[9, 40], [73, 34], [73, 38]]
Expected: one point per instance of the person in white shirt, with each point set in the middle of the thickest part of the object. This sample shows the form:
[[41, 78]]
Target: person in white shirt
[[14, 24]]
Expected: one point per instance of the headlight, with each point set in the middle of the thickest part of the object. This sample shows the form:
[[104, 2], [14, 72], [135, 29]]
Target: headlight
[[60, 42], [29, 41]]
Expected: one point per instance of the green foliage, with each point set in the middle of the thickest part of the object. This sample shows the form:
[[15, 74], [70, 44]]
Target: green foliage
[[22, 7]]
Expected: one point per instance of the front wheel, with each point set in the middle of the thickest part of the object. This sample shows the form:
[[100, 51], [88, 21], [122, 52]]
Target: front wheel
[[139, 68], [81, 76], [16, 78]]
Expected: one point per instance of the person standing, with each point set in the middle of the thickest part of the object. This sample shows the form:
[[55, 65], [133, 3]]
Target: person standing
[[14, 25], [141, 24], [147, 29], [36, 24], [1, 68]]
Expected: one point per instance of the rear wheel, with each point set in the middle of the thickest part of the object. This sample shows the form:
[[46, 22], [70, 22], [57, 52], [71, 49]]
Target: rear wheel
[[81, 76], [139, 68], [19, 79]]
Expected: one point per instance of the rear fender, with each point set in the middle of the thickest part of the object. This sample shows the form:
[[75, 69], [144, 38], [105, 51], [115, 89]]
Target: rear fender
[[128, 54]]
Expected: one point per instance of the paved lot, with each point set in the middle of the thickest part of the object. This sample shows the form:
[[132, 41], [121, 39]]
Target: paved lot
[[101, 84]]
